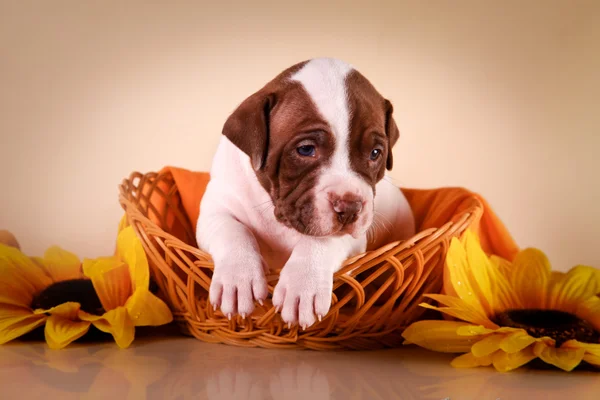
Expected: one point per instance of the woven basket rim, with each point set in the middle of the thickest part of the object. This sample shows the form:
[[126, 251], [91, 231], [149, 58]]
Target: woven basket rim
[[362, 330], [473, 212]]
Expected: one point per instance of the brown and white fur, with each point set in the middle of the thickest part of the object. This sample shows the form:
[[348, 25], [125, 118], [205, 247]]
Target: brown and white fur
[[297, 183]]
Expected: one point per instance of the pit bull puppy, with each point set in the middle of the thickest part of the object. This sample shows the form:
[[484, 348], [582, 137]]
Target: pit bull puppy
[[297, 183]]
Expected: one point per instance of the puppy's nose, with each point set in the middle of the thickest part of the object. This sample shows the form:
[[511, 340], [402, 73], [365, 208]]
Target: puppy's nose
[[347, 210]]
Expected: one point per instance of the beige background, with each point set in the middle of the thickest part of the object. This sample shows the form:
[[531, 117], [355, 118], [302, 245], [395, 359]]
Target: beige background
[[500, 97]]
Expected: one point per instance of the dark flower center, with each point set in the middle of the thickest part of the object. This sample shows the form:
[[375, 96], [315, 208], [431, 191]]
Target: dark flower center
[[76, 290], [559, 325]]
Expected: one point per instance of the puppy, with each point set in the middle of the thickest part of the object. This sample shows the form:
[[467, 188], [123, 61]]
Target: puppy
[[297, 183]]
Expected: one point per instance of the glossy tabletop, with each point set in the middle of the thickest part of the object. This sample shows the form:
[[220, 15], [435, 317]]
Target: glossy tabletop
[[175, 367]]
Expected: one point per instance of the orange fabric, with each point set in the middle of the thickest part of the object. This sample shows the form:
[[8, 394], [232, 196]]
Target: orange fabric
[[435, 207], [192, 186], [432, 208]]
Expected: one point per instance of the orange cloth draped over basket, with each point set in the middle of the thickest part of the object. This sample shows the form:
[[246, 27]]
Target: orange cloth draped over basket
[[432, 209]]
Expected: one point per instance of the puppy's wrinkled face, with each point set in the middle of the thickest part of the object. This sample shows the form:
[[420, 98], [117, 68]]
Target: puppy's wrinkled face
[[320, 138]]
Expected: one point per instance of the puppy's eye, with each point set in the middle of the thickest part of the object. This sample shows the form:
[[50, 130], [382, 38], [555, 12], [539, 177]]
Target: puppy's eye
[[375, 154], [306, 150]]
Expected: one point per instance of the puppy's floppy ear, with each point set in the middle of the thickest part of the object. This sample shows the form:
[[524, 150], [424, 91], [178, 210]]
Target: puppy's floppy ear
[[392, 133], [248, 127]]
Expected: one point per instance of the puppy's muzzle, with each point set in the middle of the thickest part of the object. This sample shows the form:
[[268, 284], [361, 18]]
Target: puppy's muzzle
[[347, 209]]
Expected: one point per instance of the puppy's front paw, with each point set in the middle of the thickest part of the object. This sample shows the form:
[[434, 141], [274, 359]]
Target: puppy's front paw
[[303, 295], [236, 285]]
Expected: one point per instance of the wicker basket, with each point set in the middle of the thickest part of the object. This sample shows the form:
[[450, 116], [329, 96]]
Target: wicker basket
[[376, 294]]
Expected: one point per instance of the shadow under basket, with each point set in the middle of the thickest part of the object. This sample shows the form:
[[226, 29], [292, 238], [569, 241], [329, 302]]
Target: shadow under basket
[[375, 295]]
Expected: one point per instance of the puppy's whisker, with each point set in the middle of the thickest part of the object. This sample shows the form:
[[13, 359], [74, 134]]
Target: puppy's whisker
[[384, 220], [370, 234], [380, 224], [384, 228], [372, 229], [383, 225], [267, 208], [263, 203]]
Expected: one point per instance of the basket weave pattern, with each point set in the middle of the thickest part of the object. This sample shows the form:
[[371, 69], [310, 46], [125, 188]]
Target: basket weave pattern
[[376, 294]]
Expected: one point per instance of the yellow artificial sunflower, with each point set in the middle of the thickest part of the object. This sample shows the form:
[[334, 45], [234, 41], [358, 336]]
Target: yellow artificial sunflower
[[26, 284], [122, 284], [508, 314], [111, 293]]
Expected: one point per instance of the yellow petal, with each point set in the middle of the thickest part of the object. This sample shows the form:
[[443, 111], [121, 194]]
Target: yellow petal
[[516, 341], [505, 362], [39, 261], [116, 322], [111, 280], [66, 310], [457, 269], [564, 358], [439, 336], [591, 348], [450, 301], [505, 294], [61, 265], [463, 315], [18, 297], [481, 272], [554, 287], [576, 286], [468, 360], [502, 265], [123, 223], [473, 330], [65, 326], [589, 310], [145, 309], [469, 314], [487, 346], [21, 277], [61, 331], [592, 359], [131, 251], [16, 321], [530, 275], [481, 330], [506, 297]]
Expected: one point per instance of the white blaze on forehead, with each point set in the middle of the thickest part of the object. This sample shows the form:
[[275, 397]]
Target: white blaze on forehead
[[324, 79]]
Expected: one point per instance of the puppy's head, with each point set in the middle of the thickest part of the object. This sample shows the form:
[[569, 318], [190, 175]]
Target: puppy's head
[[319, 137]]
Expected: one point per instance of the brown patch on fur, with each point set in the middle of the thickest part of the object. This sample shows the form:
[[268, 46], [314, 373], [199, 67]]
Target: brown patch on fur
[[248, 126], [371, 127]]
